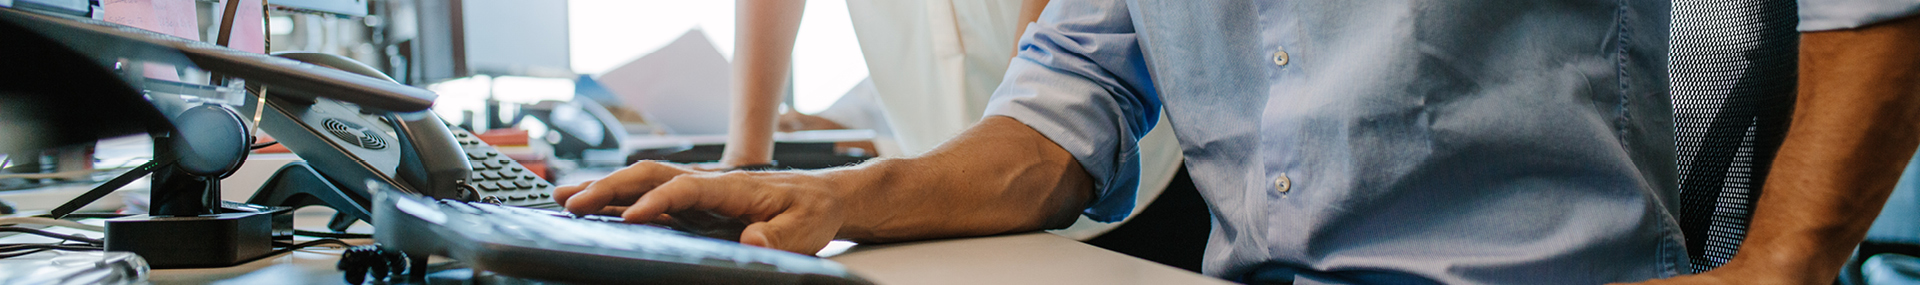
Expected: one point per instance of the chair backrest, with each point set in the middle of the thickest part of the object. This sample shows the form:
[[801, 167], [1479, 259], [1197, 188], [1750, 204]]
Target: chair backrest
[[1732, 69]]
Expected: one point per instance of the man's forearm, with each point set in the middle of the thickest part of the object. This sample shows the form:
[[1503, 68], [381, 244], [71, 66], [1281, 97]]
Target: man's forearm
[[1853, 129], [761, 60], [999, 176]]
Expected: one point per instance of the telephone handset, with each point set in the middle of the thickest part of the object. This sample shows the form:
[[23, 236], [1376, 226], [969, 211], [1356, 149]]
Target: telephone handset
[[348, 147]]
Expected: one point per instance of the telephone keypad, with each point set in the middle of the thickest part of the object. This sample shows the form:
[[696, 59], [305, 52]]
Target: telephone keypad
[[501, 179]]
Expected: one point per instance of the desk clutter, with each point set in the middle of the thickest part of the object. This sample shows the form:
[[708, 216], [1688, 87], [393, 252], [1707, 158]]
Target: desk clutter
[[369, 149]]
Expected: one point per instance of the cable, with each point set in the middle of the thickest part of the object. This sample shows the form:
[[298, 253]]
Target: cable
[[358, 261], [14, 250], [330, 234], [312, 243], [262, 145], [50, 222], [50, 233], [27, 246], [285, 248], [90, 215]]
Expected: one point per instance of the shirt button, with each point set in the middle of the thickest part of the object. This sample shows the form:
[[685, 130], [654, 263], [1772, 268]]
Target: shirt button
[[1282, 184], [1280, 57]]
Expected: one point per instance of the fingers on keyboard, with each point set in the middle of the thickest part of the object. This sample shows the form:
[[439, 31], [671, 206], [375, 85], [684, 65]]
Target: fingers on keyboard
[[560, 194]]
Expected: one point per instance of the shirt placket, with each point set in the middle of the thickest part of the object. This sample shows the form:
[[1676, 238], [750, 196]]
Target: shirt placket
[[1276, 26]]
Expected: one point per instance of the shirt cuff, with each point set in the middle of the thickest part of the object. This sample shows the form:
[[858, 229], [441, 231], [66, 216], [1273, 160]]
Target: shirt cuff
[[1078, 116]]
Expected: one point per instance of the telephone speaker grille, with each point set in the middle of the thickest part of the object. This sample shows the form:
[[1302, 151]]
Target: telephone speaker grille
[[355, 134]]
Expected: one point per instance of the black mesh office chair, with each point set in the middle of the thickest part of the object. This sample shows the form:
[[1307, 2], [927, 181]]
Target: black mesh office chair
[[1732, 67]]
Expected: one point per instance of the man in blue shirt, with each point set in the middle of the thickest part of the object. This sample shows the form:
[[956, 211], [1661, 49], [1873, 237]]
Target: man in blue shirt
[[1335, 141]]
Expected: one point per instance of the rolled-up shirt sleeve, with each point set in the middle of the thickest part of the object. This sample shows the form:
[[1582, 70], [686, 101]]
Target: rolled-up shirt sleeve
[[1822, 15], [1080, 79]]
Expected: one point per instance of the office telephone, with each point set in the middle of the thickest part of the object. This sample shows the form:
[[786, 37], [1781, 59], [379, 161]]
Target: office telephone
[[343, 144], [413, 152], [581, 130]]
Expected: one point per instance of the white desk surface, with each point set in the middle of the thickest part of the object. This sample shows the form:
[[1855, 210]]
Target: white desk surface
[[1032, 258]]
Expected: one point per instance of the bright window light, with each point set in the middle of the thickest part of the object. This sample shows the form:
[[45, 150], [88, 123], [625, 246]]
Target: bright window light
[[608, 33], [826, 57], [463, 94], [529, 90]]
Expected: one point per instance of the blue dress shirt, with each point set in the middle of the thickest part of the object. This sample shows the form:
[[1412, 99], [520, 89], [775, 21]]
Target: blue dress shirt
[[1463, 142]]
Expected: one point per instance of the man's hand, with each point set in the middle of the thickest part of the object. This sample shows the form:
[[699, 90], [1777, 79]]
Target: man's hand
[[791, 211], [611, 195], [999, 177]]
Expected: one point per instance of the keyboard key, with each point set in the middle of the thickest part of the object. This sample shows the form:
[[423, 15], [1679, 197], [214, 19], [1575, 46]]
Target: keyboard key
[[473, 155], [489, 186], [490, 174], [523, 184]]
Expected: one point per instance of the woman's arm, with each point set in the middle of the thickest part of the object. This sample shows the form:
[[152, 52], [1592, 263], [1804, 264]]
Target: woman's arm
[[762, 57]]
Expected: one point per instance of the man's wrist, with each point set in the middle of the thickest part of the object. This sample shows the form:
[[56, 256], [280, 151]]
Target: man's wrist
[[863, 193]]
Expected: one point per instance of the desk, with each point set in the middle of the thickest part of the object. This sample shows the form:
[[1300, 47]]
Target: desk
[[1032, 258], [1029, 258]]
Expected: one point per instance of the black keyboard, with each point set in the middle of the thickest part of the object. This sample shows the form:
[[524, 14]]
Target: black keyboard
[[558, 246]]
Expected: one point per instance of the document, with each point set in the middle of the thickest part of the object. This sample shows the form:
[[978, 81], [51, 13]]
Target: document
[[685, 86]]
